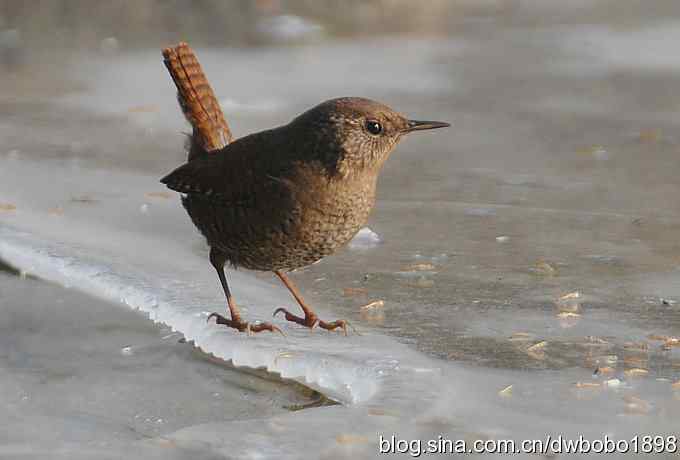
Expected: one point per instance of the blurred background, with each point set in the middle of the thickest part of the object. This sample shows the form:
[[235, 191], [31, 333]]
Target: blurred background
[[71, 26], [539, 233]]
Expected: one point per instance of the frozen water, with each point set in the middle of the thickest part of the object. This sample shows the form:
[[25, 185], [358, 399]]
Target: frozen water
[[563, 140], [68, 387], [365, 239], [105, 250]]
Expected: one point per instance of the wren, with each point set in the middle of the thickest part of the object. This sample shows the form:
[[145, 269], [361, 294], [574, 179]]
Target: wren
[[284, 198]]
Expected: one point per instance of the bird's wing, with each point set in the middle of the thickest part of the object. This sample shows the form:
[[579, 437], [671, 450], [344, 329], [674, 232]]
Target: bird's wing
[[209, 178], [234, 175]]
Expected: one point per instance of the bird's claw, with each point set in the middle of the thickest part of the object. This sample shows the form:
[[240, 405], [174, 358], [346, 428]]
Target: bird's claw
[[340, 323], [243, 326], [312, 320], [259, 327], [279, 310]]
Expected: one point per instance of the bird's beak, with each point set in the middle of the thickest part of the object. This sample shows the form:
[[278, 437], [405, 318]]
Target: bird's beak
[[415, 125]]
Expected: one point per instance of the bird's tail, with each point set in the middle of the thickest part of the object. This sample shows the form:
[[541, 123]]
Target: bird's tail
[[197, 101]]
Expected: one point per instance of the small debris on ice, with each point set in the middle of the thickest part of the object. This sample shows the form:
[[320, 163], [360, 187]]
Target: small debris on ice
[[569, 303], [537, 350], [84, 199], [568, 314], [373, 312], [373, 305], [587, 385], [423, 267], [610, 359], [506, 392], [670, 342], [612, 383], [544, 268], [571, 295], [593, 341], [568, 320], [520, 336], [635, 372], [537, 346]]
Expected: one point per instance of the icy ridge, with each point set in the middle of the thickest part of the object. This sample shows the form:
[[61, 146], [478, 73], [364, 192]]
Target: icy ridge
[[346, 379]]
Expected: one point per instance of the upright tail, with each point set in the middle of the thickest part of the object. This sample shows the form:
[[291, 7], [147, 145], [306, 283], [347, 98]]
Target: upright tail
[[197, 101]]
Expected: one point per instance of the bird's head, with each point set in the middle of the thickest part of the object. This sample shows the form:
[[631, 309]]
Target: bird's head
[[352, 135]]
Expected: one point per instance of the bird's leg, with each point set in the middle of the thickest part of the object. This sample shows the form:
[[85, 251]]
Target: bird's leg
[[218, 259], [310, 320]]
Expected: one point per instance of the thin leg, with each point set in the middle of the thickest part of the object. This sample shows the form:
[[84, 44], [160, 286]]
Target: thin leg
[[310, 320], [218, 259]]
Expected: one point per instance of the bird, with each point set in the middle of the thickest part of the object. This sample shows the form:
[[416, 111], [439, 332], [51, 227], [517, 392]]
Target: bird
[[284, 198]]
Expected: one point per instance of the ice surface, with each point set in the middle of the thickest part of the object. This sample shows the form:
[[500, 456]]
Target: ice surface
[[107, 249], [77, 374], [365, 239]]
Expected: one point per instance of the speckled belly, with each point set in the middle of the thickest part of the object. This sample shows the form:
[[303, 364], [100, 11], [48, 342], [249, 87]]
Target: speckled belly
[[314, 235], [284, 237]]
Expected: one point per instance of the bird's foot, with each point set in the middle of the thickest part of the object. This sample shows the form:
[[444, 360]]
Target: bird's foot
[[310, 320], [243, 326], [340, 323]]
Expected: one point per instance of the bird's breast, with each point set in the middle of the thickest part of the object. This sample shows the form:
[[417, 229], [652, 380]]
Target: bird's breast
[[331, 212], [296, 221]]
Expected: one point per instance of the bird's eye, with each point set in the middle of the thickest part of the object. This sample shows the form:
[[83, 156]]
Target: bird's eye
[[374, 127]]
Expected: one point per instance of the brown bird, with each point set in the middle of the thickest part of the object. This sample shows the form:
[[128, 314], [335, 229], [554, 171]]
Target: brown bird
[[283, 198]]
